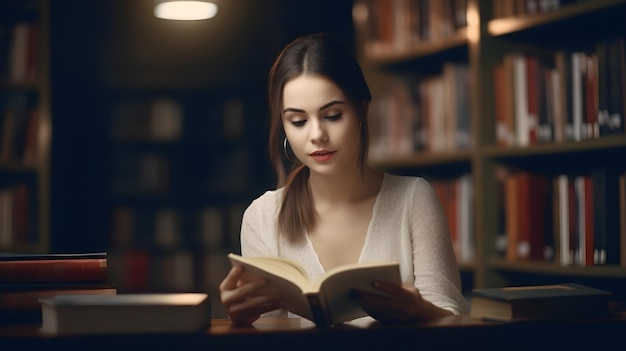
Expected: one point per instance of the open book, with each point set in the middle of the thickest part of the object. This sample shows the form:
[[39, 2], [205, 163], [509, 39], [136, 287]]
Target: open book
[[324, 301]]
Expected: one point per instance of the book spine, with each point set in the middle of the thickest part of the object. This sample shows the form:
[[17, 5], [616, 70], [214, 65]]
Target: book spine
[[606, 216], [43, 271], [317, 310], [29, 300]]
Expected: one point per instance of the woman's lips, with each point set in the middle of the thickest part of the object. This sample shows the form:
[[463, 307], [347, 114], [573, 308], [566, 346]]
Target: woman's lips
[[322, 156]]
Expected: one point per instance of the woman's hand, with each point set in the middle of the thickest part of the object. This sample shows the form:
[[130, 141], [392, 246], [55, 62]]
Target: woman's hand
[[402, 305], [242, 301]]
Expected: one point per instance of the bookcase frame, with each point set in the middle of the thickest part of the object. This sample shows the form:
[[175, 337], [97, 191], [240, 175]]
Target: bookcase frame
[[35, 173], [485, 40]]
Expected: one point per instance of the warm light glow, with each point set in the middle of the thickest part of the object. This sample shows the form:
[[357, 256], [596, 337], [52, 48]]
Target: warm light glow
[[185, 10], [360, 12], [473, 23]]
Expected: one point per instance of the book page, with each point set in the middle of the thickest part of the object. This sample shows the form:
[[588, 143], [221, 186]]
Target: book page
[[336, 284], [285, 278], [278, 266]]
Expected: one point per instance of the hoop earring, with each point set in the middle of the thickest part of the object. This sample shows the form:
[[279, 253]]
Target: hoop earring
[[285, 150]]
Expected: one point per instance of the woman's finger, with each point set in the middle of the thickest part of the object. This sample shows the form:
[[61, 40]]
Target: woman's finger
[[231, 279]]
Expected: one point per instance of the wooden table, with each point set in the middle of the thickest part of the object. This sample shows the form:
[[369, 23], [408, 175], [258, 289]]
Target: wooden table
[[449, 333]]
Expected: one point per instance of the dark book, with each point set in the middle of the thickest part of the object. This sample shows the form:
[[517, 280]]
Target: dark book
[[125, 313], [26, 296], [56, 268], [606, 216], [19, 303], [617, 85], [560, 301], [603, 87]]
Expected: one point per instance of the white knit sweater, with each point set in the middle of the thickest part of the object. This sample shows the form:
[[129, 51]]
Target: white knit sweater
[[407, 226]]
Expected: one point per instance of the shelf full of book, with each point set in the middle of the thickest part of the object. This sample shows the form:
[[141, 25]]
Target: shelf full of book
[[182, 167], [536, 121], [25, 126]]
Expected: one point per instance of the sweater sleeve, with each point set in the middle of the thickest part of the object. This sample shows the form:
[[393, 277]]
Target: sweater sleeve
[[436, 272], [258, 237]]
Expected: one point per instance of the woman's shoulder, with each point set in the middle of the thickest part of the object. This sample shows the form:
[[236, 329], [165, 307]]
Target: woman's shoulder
[[269, 201], [402, 184]]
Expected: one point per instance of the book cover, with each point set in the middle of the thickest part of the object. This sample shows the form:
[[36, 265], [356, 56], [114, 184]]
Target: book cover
[[57, 268], [19, 303], [22, 297], [622, 219], [125, 313], [605, 183], [324, 301], [557, 301]]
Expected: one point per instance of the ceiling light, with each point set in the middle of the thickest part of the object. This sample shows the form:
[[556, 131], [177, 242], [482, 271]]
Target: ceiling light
[[185, 10]]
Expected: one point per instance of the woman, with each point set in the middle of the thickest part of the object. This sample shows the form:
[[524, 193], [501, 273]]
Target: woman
[[332, 208]]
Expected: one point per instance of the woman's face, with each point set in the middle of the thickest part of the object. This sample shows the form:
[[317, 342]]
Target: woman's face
[[321, 124]]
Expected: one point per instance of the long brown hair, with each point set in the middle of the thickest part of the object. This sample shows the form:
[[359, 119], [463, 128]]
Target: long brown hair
[[320, 54]]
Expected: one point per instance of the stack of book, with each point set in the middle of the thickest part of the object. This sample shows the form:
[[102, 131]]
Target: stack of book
[[25, 278]]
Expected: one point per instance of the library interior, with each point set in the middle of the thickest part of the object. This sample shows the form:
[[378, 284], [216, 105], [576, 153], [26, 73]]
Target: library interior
[[138, 142]]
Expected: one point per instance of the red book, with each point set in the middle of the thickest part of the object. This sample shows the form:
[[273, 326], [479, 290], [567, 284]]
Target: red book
[[22, 297], [539, 202], [512, 215], [532, 87], [57, 268], [589, 215]]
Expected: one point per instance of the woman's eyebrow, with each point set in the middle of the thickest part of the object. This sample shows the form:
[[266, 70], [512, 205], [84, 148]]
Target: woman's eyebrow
[[325, 106], [332, 103]]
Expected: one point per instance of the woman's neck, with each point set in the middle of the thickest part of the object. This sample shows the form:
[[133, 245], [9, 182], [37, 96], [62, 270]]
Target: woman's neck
[[345, 188]]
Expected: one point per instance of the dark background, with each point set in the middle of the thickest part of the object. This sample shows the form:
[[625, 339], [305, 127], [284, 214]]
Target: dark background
[[104, 46]]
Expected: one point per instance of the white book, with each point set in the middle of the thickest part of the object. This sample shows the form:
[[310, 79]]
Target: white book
[[125, 313], [520, 101], [465, 222]]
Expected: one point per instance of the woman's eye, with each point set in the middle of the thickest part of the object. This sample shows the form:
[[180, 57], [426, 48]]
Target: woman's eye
[[333, 117], [299, 123]]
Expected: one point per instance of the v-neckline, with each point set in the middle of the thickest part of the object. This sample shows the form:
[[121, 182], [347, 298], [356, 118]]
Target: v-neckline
[[311, 248]]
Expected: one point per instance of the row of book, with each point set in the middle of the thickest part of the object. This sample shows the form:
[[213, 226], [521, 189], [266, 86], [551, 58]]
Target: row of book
[[395, 26], [19, 53], [567, 96], [206, 229], [566, 219], [17, 225], [176, 270], [456, 196], [167, 118], [426, 115], [509, 8], [160, 120], [20, 128], [25, 278], [141, 172], [148, 171]]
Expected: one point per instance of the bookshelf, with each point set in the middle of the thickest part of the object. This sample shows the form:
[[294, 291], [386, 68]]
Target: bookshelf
[[25, 126], [541, 119], [182, 166]]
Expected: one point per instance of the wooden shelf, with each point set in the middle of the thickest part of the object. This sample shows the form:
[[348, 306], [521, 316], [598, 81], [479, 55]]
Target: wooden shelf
[[422, 160], [509, 25], [604, 144], [453, 44], [545, 268], [577, 27]]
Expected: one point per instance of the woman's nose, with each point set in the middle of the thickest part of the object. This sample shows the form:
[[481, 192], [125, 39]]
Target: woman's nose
[[318, 132]]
